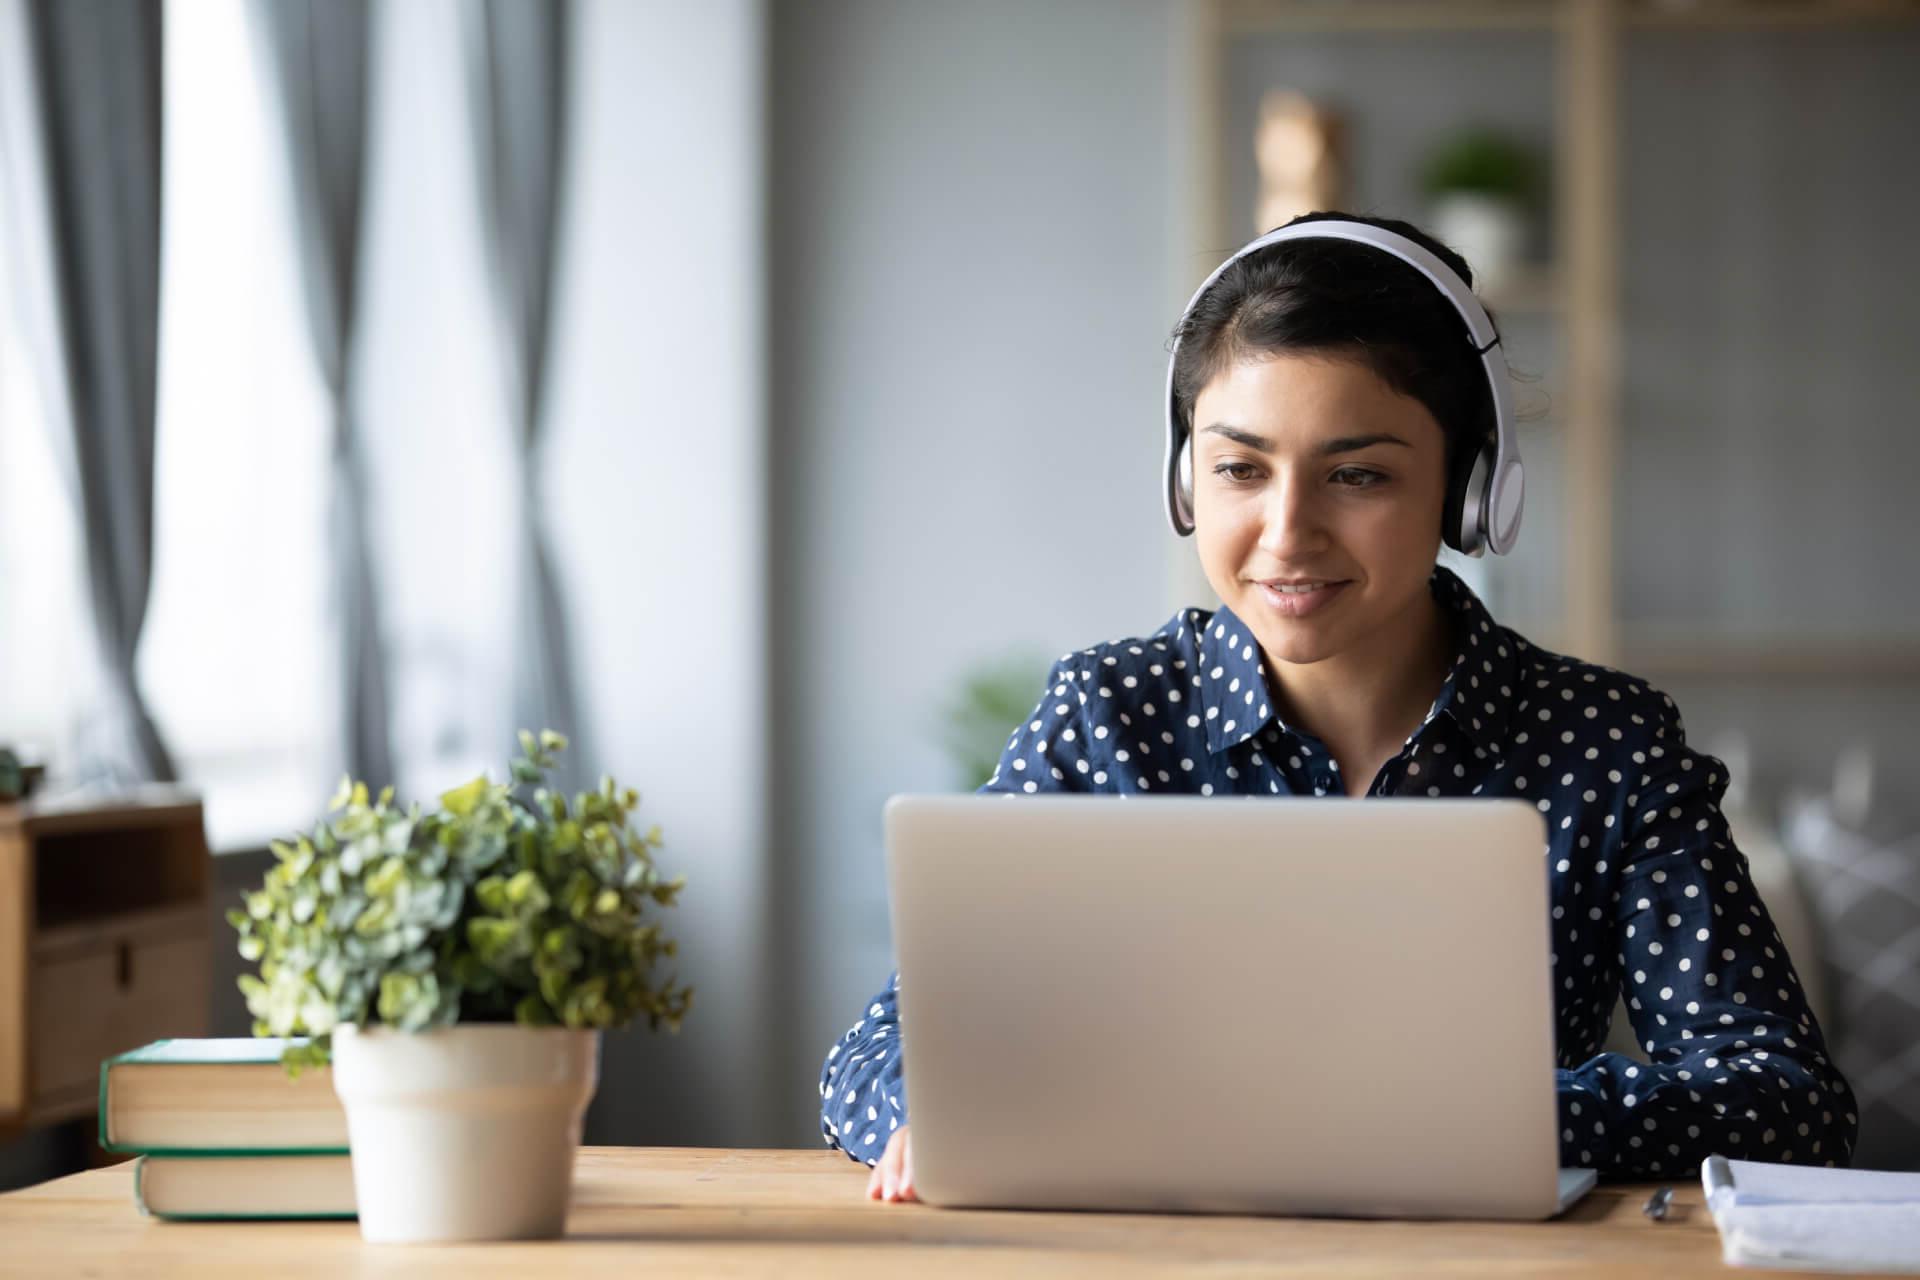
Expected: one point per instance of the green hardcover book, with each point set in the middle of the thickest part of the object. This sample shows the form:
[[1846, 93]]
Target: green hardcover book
[[217, 1097], [203, 1188]]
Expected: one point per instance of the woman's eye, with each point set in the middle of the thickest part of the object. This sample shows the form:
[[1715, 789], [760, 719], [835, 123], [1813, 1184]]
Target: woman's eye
[[1357, 478], [1345, 477]]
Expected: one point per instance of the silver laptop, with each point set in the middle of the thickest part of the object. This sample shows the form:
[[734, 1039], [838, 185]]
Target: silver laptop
[[1228, 1005]]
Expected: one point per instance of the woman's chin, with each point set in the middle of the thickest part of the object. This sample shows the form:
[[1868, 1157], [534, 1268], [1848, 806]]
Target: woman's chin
[[1296, 643], [1288, 638]]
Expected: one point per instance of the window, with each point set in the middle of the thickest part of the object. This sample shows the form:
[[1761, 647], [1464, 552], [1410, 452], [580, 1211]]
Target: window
[[238, 659], [46, 632], [240, 656]]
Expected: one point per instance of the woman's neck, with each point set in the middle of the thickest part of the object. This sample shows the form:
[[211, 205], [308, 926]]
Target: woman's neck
[[1368, 700]]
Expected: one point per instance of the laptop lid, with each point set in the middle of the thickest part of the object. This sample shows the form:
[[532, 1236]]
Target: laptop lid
[[1281, 1006]]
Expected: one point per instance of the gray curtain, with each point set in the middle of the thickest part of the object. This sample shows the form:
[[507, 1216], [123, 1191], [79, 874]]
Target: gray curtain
[[317, 53], [517, 72], [82, 173]]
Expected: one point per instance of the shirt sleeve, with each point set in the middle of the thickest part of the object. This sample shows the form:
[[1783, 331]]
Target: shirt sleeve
[[1054, 749], [863, 1087], [1736, 1066]]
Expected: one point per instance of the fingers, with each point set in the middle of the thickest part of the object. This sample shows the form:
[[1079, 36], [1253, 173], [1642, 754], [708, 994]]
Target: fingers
[[890, 1168], [892, 1177], [886, 1171]]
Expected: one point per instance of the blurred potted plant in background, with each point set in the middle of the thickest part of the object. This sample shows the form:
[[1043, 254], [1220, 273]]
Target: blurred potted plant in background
[[993, 699], [19, 777], [1483, 190], [458, 966]]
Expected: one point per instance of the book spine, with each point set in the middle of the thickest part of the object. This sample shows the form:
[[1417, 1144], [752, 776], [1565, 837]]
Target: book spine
[[217, 1153], [106, 1143], [147, 1211]]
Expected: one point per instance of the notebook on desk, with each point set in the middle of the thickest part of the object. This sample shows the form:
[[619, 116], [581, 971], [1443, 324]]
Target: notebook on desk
[[1228, 1005], [1808, 1218]]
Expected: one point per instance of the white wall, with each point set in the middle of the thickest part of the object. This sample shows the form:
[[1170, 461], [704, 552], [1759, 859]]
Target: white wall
[[655, 501], [974, 212]]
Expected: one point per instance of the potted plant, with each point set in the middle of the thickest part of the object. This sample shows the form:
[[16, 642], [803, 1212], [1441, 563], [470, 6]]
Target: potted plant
[[457, 966], [18, 777], [1482, 189], [991, 698]]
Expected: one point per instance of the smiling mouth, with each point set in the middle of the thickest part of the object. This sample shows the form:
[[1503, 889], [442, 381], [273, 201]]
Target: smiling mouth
[[1302, 598], [1301, 588]]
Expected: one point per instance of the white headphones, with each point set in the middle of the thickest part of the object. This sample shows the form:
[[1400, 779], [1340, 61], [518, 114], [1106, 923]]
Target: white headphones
[[1484, 500]]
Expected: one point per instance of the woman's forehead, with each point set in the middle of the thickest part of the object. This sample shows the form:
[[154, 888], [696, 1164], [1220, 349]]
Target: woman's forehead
[[1294, 402]]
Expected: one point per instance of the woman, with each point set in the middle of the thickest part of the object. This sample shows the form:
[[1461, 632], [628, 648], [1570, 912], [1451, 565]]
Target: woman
[[1332, 421]]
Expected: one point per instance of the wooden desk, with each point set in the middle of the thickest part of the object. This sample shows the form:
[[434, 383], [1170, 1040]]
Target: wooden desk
[[652, 1211]]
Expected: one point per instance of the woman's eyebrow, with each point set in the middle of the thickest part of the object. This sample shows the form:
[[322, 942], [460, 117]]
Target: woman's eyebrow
[[1340, 444]]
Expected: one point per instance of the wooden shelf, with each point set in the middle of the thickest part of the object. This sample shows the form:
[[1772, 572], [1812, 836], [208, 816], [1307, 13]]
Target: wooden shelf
[[72, 812], [1255, 17], [1726, 655], [1663, 653], [1763, 14], [105, 941], [1252, 17]]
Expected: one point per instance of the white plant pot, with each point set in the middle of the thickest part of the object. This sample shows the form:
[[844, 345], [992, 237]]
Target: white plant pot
[[464, 1132], [1490, 233]]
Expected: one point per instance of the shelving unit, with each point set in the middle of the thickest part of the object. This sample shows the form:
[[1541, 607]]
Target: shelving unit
[[1579, 291], [1535, 290], [104, 943]]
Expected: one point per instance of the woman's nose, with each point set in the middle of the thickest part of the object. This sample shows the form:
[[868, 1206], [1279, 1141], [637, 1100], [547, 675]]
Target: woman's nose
[[1293, 529]]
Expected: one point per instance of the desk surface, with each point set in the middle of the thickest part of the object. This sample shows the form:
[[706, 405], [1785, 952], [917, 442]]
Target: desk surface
[[652, 1211]]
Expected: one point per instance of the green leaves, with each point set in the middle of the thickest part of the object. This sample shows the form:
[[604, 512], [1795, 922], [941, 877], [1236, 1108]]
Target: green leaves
[[462, 801], [992, 696], [1482, 161], [492, 907], [411, 1001]]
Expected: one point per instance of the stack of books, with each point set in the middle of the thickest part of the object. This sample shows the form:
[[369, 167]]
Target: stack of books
[[222, 1132]]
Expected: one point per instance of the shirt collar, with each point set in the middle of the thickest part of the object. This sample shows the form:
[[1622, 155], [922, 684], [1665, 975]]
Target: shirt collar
[[1480, 690], [1478, 693]]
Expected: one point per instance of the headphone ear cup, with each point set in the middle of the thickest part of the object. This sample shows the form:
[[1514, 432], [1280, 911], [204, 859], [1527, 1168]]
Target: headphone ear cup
[[1186, 479], [1462, 528]]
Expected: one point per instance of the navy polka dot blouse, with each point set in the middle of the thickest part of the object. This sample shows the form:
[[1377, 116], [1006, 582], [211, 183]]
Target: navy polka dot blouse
[[1650, 895]]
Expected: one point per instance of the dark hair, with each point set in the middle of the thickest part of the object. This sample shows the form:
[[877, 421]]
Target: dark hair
[[1348, 300]]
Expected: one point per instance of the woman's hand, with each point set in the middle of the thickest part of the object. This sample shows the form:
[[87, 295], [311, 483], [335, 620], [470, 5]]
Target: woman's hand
[[892, 1177]]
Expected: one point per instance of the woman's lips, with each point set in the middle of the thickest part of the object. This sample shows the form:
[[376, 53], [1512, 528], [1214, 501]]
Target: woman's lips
[[1298, 604]]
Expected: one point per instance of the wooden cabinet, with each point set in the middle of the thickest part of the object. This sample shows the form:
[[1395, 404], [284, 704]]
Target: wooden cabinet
[[104, 942]]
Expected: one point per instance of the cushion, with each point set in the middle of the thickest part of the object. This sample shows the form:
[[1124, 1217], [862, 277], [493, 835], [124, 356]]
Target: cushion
[[1860, 874]]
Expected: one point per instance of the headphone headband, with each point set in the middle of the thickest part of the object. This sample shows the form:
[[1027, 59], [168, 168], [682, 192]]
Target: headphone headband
[[1494, 520]]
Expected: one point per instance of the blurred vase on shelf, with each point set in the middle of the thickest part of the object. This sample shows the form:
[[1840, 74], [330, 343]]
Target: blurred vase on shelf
[[1298, 147]]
